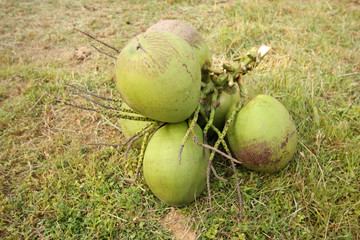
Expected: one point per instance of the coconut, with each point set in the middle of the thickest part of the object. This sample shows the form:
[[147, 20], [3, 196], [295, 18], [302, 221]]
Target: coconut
[[226, 101], [174, 184], [263, 136], [190, 34], [158, 75]]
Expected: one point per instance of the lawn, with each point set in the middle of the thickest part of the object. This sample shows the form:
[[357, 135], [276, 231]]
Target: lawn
[[55, 186]]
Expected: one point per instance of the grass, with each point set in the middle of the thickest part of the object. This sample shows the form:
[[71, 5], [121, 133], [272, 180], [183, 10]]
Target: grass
[[53, 186]]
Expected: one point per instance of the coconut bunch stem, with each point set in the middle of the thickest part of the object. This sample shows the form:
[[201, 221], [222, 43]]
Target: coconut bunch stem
[[189, 131], [107, 110], [99, 41], [229, 74], [118, 100], [216, 146], [140, 159], [147, 133], [214, 103]]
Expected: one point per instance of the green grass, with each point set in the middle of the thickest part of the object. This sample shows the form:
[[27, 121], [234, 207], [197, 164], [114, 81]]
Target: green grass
[[53, 186]]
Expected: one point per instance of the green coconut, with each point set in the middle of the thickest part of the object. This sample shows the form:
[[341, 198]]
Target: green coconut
[[263, 136], [158, 75], [131, 127], [174, 184], [190, 34]]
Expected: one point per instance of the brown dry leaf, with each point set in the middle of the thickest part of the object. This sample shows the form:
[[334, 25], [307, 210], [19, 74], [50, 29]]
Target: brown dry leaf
[[82, 53]]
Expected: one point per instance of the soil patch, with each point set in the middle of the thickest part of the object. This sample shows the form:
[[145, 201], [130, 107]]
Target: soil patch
[[179, 225]]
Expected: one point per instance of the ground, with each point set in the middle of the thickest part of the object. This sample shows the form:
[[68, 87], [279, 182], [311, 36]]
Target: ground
[[53, 185]]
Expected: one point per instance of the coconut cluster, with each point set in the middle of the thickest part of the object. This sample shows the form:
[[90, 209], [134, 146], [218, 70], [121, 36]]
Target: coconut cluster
[[164, 75]]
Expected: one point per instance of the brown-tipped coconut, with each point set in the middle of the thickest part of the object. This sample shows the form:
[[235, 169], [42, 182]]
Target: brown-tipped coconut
[[158, 75], [190, 34], [262, 135]]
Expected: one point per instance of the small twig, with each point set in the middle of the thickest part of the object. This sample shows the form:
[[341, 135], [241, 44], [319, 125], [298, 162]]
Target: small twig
[[349, 74], [105, 53], [31, 234], [40, 235], [36, 103], [111, 114], [105, 44], [131, 143], [208, 181], [80, 107], [216, 150], [233, 164], [111, 215], [237, 189], [233, 160], [127, 141], [105, 144], [96, 102], [127, 110], [130, 179], [207, 170], [216, 175], [93, 94], [142, 153]]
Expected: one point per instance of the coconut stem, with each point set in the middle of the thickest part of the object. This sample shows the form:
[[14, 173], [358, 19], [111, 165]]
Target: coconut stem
[[96, 102], [139, 159], [229, 74], [124, 116], [119, 100], [227, 155], [190, 130], [92, 37], [111, 114], [216, 145], [148, 128], [105, 53], [138, 135], [153, 127], [216, 175], [127, 110], [237, 188], [214, 102], [217, 131], [235, 111], [77, 106], [106, 144], [252, 59], [215, 71]]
